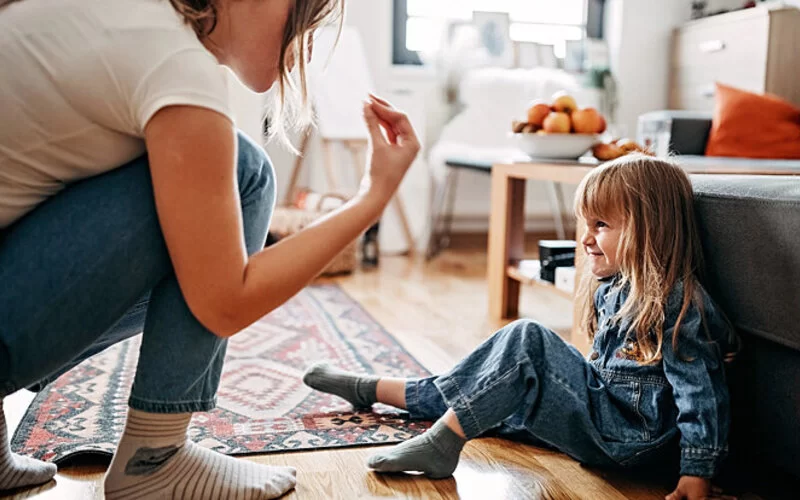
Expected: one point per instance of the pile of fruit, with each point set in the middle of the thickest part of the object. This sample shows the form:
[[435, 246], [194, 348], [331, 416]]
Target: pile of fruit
[[605, 151], [561, 117], [564, 117]]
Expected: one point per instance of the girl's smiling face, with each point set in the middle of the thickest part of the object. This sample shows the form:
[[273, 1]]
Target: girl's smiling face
[[601, 244]]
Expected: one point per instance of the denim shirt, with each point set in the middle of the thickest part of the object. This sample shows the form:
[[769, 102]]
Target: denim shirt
[[685, 391]]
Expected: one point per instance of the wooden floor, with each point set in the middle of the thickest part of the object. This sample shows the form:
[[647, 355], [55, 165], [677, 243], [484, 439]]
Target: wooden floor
[[438, 311]]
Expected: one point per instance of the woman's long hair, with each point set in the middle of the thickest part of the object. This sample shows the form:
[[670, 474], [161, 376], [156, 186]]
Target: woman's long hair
[[659, 247], [291, 108]]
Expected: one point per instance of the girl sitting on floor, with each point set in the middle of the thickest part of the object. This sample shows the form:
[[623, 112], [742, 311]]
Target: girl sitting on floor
[[656, 372]]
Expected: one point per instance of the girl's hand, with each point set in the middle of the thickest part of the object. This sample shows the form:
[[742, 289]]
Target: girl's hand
[[390, 155], [696, 488]]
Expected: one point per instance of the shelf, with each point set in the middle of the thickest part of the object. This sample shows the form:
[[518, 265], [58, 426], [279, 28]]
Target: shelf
[[527, 273]]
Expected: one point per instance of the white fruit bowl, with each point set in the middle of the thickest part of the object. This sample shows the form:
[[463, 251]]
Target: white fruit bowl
[[555, 146]]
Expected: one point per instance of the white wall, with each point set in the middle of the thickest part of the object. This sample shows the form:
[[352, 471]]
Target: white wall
[[639, 34]]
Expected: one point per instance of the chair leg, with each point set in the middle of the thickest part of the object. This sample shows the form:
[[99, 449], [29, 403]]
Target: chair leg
[[451, 205], [330, 169], [438, 203], [298, 166]]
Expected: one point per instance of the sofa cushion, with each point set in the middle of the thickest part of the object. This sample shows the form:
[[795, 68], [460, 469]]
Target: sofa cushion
[[753, 126], [750, 226]]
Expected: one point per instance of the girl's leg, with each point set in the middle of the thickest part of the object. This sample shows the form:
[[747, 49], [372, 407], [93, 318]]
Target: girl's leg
[[392, 392], [524, 371], [423, 399], [77, 264], [359, 390], [419, 396]]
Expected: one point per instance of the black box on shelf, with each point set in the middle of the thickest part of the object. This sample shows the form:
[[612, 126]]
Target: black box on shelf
[[553, 254]]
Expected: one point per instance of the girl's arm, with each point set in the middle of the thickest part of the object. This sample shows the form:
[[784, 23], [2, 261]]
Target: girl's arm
[[696, 373], [192, 153]]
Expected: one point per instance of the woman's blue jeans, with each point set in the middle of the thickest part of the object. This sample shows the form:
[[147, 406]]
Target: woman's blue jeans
[[89, 268]]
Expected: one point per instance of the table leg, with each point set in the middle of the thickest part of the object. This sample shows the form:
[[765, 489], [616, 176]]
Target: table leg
[[506, 242]]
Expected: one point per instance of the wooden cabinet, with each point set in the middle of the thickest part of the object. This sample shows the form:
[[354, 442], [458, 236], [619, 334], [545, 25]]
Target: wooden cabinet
[[755, 49]]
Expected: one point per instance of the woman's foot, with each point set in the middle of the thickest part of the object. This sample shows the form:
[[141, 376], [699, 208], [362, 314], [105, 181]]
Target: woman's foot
[[434, 453], [17, 471], [359, 390], [155, 460]]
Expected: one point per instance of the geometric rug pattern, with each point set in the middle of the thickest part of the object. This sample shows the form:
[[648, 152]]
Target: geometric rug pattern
[[262, 407]]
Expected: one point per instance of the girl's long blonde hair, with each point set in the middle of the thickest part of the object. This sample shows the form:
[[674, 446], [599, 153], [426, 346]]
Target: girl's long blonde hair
[[659, 247], [291, 108]]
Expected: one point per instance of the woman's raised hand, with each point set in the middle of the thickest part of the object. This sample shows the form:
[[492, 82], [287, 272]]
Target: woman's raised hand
[[390, 154]]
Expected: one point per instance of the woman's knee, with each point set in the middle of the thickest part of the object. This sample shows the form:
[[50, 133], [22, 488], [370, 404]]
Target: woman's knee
[[255, 171]]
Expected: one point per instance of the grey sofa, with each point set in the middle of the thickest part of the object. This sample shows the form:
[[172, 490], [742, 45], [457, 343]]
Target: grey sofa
[[750, 227]]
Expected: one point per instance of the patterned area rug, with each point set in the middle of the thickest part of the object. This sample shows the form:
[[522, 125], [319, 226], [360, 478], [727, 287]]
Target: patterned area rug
[[263, 406]]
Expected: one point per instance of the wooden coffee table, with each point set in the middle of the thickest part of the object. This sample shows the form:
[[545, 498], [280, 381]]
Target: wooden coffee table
[[507, 219]]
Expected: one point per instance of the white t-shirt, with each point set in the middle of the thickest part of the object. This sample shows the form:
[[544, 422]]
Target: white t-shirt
[[79, 80]]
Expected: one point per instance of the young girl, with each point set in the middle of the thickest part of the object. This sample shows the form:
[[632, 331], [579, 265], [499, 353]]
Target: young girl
[[655, 375]]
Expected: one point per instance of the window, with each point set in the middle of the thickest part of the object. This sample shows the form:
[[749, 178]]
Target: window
[[421, 24]]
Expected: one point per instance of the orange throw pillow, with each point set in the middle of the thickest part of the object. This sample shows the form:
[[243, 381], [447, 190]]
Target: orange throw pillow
[[750, 125]]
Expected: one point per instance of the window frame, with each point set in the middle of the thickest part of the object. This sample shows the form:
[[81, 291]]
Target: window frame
[[401, 56]]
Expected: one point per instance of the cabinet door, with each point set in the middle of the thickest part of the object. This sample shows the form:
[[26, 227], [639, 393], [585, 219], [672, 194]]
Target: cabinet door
[[733, 52]]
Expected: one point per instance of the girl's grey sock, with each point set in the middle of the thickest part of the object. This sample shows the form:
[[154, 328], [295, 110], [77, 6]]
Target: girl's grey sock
[[359, 390], [434, 453]]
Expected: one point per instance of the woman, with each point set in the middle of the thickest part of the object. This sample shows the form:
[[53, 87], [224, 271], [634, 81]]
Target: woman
[[129, 202]]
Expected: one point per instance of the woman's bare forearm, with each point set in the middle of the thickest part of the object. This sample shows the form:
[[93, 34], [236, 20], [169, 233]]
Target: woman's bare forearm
[[275, 274], [191, 152], [278, 272]]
